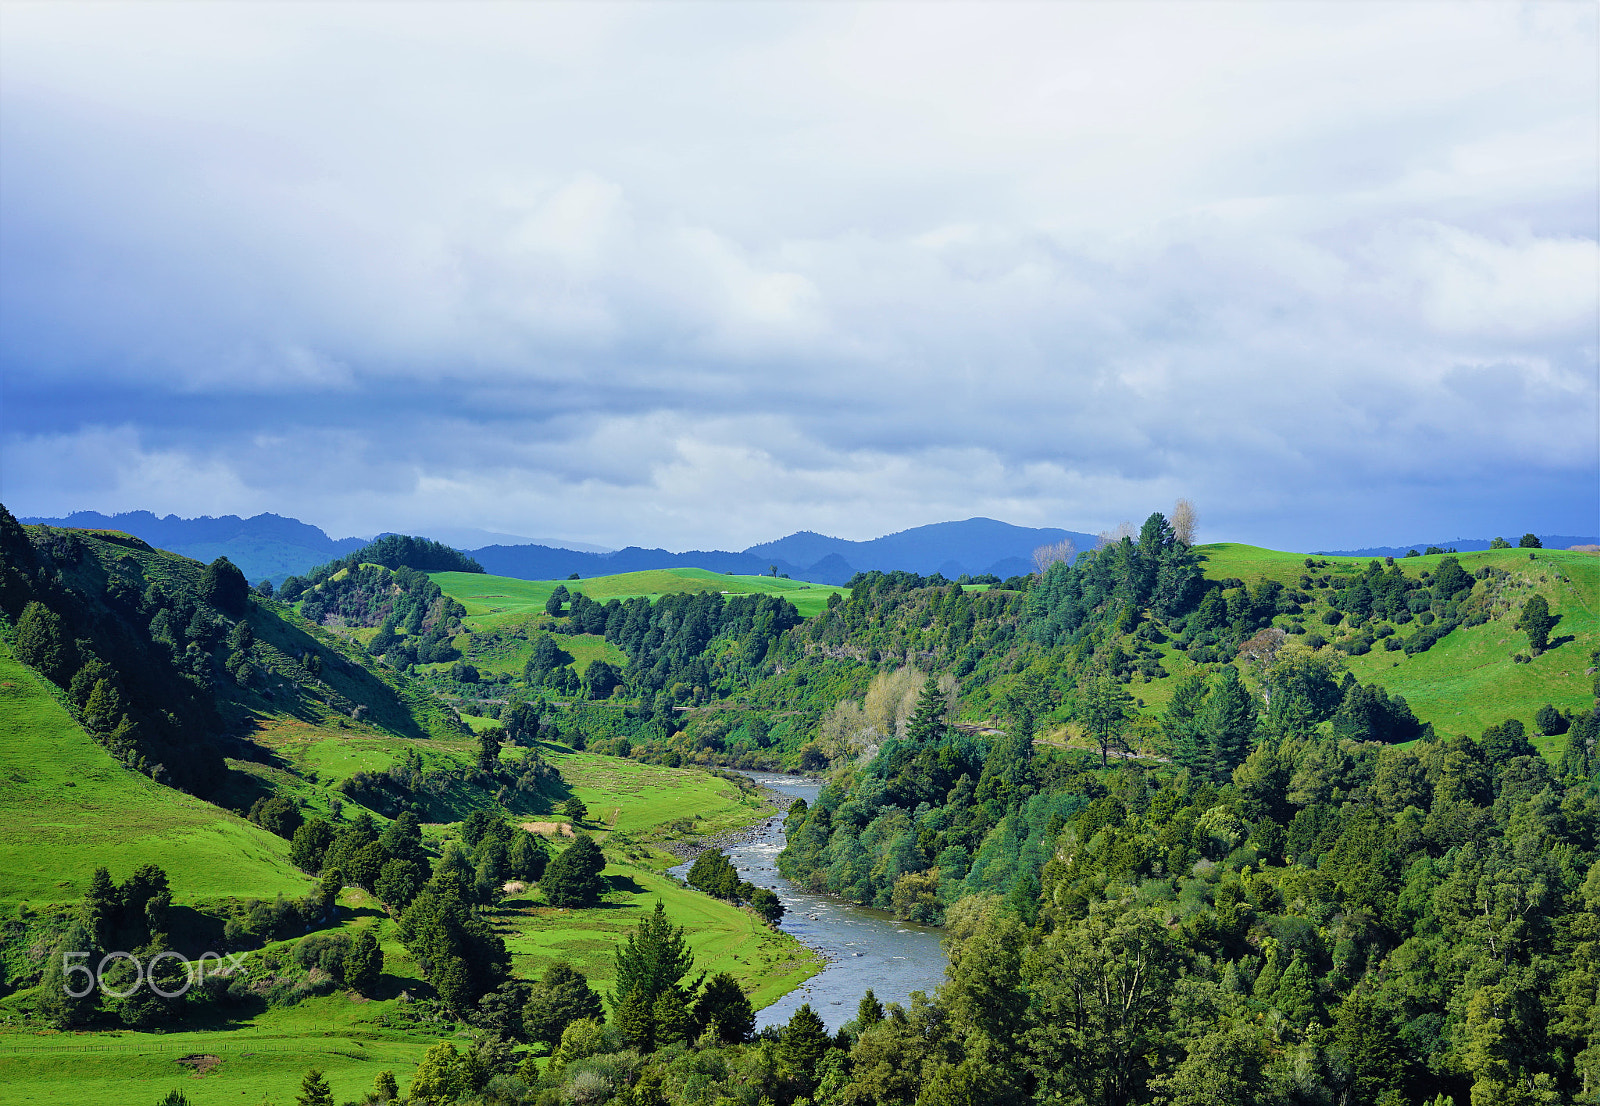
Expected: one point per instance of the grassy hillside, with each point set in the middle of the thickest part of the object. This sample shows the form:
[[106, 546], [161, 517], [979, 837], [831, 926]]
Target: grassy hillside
[[1470, 679], [488, 596], [66, 807]]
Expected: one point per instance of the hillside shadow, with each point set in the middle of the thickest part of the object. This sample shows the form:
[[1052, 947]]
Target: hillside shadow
[[624, 883]]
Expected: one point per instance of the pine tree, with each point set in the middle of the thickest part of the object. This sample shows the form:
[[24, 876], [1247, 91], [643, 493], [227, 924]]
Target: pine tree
[[801, 1047], [314, 1090], [653, 960], [928, 721], [1228, 721], [869, 1011], [724, 1008]]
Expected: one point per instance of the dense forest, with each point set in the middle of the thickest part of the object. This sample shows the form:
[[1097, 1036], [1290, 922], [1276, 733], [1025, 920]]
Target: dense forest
[[1279, 886]]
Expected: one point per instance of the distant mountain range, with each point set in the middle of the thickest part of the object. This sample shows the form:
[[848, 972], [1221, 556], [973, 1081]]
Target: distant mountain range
[[272, 547], [1468, 545], [973, 547]]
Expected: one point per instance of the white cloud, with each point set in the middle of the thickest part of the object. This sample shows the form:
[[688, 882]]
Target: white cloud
[[852, 267]]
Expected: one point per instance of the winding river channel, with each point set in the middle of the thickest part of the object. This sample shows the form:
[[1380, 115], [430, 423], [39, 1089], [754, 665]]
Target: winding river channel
[[864, 947]]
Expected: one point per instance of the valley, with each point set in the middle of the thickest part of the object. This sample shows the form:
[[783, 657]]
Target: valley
[[1264, 772]]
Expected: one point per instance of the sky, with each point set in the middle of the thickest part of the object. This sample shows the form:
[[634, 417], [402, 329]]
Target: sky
[[701, 275]]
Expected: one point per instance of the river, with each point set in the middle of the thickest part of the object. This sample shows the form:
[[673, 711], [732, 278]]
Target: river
[[864, 947]]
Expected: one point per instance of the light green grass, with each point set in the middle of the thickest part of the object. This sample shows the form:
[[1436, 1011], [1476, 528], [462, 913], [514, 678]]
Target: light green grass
[[487, 596], [66, 807], [723, 937], [646, 799], [1468, 681]]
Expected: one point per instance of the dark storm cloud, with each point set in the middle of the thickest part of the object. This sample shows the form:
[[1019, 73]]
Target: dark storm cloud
[[700, 275]]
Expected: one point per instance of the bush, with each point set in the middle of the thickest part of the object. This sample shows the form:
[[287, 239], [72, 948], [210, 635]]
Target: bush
[[1550, 721]]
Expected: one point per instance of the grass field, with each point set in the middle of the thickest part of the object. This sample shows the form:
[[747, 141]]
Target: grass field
[[1468, 681], [647, 799], [67, 807], [723, 937], [486, 597]]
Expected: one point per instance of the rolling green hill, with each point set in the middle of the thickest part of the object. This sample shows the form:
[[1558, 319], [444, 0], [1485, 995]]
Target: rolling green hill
[[67, 807], [1470, 679], [489, 597]]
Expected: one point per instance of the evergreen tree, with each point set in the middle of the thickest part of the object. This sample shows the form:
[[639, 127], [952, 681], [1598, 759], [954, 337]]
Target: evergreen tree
[[653, 960], [801, 1047], [1103, 709], [928, 722], [573, 877], [314, 1089], [1190, 749], [562, 997], [724, 1008], [39, 642], [363, 963], [869, 1011], [1228, 721]]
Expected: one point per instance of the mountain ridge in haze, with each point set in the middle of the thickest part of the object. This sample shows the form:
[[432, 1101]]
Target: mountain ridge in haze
[[269, 546]]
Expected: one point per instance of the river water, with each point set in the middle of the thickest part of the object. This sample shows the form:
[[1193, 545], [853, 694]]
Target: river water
[[864, 947]]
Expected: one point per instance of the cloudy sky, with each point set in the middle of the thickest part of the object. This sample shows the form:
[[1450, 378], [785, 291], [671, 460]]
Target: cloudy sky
[[702, 275]]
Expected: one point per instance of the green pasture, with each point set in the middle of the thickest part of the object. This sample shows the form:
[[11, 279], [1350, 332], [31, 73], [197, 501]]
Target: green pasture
[[67, 807], [1468, 681], [486, 597], [626, 796], [723, 937], [507, 651]]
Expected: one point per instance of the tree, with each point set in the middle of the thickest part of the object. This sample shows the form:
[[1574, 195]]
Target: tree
[[1530, 541], [573, 877], [1103, 709], [1102, 992], [489, 748], [384, 1087], [399, 882], [562, 997], [653, 960], [558, 598], [802, 1046], [869, 1011], [1537, 620], [39, 642], [1499, 543], [224, 587], [363, 963], [459, 953], [1184, 520], [441, 1078], [766, 903], [724, 1008], [928, 721], [1061, 552], [575, 809], [1550, 721], [601, 678], [314, 1090]]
